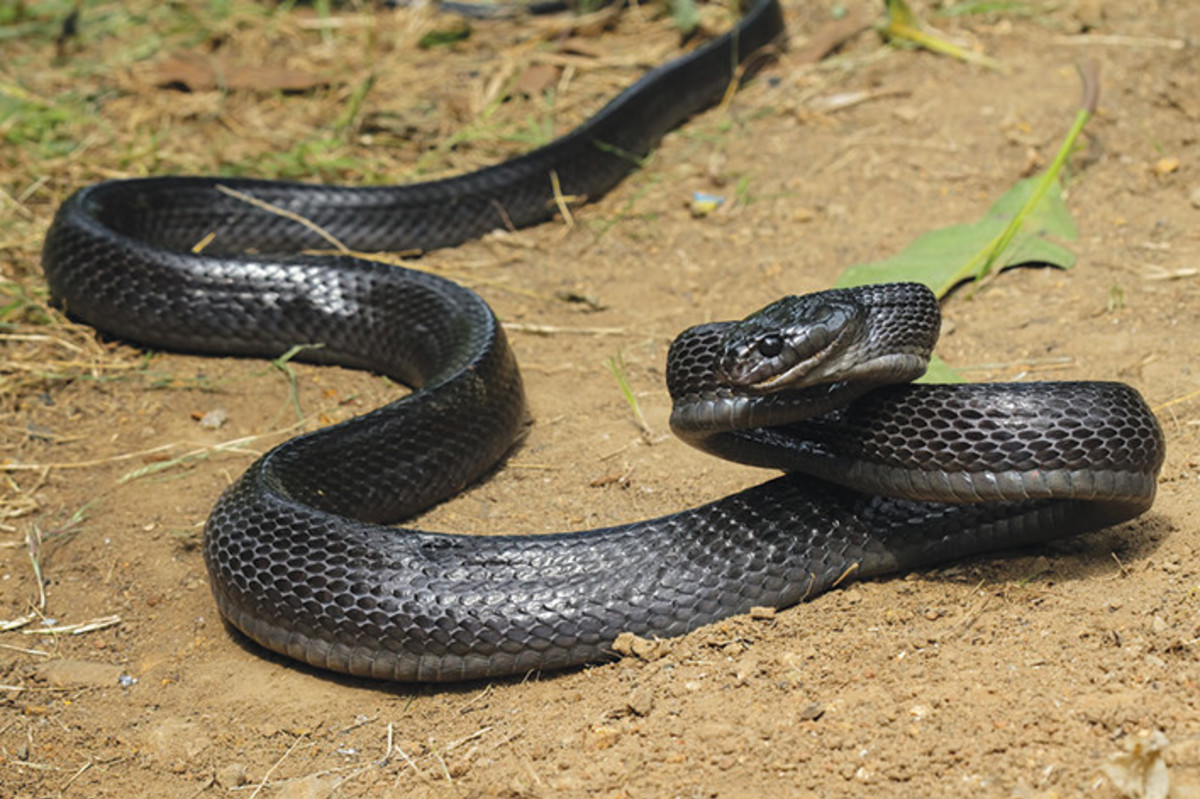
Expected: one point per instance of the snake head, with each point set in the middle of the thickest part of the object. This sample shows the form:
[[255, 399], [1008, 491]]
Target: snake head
[[867, 334], [787, 343]]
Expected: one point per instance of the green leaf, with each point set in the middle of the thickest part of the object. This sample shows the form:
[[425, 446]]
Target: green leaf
[[685, 16], [1015, 230], [1051, 214], [448, 35], [939, 258], [904, 27], [944, 257], [940, 372]]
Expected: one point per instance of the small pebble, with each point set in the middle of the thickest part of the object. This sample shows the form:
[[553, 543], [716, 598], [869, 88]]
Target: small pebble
[[1165, 166], [646, 649], [310, 787], [214, 419], [231, 775], [641, 701], [603, 737], [69, 673], [812, 711]]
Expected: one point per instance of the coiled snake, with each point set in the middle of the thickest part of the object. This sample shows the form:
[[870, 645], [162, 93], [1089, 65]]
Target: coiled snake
[[296, 549]]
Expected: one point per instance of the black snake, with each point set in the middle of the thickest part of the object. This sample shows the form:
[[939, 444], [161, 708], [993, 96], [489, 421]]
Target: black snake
[[296, 549]]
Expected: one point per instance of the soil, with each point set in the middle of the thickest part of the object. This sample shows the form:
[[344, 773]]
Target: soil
[[1019, 674]]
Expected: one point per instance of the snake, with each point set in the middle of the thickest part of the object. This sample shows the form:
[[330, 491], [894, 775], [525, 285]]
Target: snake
[[304, 552]]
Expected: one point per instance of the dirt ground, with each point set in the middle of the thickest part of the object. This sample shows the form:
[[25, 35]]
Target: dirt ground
[[1014, 675]]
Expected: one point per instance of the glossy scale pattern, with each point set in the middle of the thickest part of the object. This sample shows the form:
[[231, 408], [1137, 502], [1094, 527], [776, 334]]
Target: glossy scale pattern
[[297, 554]]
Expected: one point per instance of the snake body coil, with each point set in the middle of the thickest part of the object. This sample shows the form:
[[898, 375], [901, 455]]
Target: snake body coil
[[298, 557]]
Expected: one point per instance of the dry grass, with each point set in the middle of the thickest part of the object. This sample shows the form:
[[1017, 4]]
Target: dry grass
[[83, 99]]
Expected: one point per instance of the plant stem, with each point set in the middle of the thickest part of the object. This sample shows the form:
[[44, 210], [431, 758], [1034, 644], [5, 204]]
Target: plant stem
[[985, 261]]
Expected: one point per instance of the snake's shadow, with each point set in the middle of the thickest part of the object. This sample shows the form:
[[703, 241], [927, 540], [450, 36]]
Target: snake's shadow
[[1088, 556], [406, 689], [1101, 554]]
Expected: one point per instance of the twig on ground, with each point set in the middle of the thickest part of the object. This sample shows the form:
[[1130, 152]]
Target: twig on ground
[[262, 783], [286, 214]]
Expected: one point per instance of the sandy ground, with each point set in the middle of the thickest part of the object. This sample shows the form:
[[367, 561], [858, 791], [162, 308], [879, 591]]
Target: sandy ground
[[1013, 675]]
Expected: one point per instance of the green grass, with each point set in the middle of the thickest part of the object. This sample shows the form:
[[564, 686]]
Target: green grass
[[616, 365], [1009, 8], [22, 304], [283, 365]]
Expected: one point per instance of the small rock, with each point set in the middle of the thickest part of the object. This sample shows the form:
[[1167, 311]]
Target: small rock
[[1195, 197], [310, 787], [214, 419], [1165, 166], [69, 673], [748, 668], [177, 741], [715, 731], [811, 712], [645, 649], [231, 775], [733, 649], [641, 701], [761, 613], [604, 737], [1140, 770]]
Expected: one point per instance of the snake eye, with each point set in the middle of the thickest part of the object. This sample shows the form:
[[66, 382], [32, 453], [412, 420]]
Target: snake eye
[[770, 346]]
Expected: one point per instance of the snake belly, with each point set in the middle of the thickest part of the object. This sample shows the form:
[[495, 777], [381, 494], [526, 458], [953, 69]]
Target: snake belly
[[299, 556]]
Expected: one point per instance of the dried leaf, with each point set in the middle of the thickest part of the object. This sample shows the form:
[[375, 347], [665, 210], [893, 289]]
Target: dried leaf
[[537, 78], [197, 72]]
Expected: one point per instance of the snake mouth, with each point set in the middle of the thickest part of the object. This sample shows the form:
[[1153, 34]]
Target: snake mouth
[[791, 344], [726, 410], [805, 373]]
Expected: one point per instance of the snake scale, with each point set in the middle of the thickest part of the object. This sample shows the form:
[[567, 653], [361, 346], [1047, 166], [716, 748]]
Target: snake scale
[[298, 551]]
